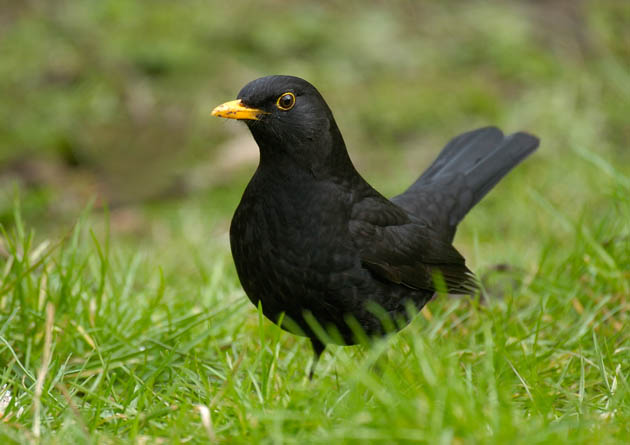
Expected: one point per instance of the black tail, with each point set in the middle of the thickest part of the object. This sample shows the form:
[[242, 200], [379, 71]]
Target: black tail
[[466, 169]]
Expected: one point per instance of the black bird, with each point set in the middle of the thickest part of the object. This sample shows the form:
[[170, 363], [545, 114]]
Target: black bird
[[312, 240]]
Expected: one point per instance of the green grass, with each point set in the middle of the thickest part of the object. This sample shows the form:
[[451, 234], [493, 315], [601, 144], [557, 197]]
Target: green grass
[[127, 351]]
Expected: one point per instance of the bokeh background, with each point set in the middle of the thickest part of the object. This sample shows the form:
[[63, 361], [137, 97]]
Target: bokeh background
[[110, 100]]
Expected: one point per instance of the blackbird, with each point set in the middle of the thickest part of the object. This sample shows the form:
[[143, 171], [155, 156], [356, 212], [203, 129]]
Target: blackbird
[[324, 252]]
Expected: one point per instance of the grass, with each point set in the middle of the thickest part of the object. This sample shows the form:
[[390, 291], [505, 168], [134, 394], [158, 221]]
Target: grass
[[102, 345], [130, 326]]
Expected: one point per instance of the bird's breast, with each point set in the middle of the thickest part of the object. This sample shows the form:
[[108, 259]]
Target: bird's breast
[[303, 227], [290, 244]]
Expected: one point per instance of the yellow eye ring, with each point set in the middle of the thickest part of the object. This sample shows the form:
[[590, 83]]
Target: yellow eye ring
[[286, 101]]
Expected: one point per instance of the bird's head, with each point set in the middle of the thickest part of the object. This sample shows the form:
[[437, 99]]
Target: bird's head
[[289, 119]]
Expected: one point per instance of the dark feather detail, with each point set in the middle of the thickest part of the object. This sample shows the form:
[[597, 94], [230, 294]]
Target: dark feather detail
[[464, 172]]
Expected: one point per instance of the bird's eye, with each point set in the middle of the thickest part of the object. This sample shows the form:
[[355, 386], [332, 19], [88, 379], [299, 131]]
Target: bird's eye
[[286, 101]]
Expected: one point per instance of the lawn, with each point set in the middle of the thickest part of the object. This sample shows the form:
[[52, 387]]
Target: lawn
[[121, 316]]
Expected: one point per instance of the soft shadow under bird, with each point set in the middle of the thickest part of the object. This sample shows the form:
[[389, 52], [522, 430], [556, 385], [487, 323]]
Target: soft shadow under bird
[[314, 243]]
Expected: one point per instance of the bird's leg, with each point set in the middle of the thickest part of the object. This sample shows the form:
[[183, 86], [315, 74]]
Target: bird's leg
[[318, 349]]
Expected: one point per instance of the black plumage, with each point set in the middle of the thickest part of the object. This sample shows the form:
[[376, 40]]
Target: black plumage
[[313, 240]]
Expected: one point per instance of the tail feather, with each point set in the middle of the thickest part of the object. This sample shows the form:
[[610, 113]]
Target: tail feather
[[466, 169], [487, 173], [463, 152]]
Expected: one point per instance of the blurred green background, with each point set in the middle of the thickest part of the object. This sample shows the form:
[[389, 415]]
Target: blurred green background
[[112, 99]]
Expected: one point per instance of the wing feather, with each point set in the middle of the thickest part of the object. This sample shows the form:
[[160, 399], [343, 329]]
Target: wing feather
[[402, 249]]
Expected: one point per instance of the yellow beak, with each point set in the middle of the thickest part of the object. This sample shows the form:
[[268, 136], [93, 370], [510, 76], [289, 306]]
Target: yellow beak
[[235, 109]]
